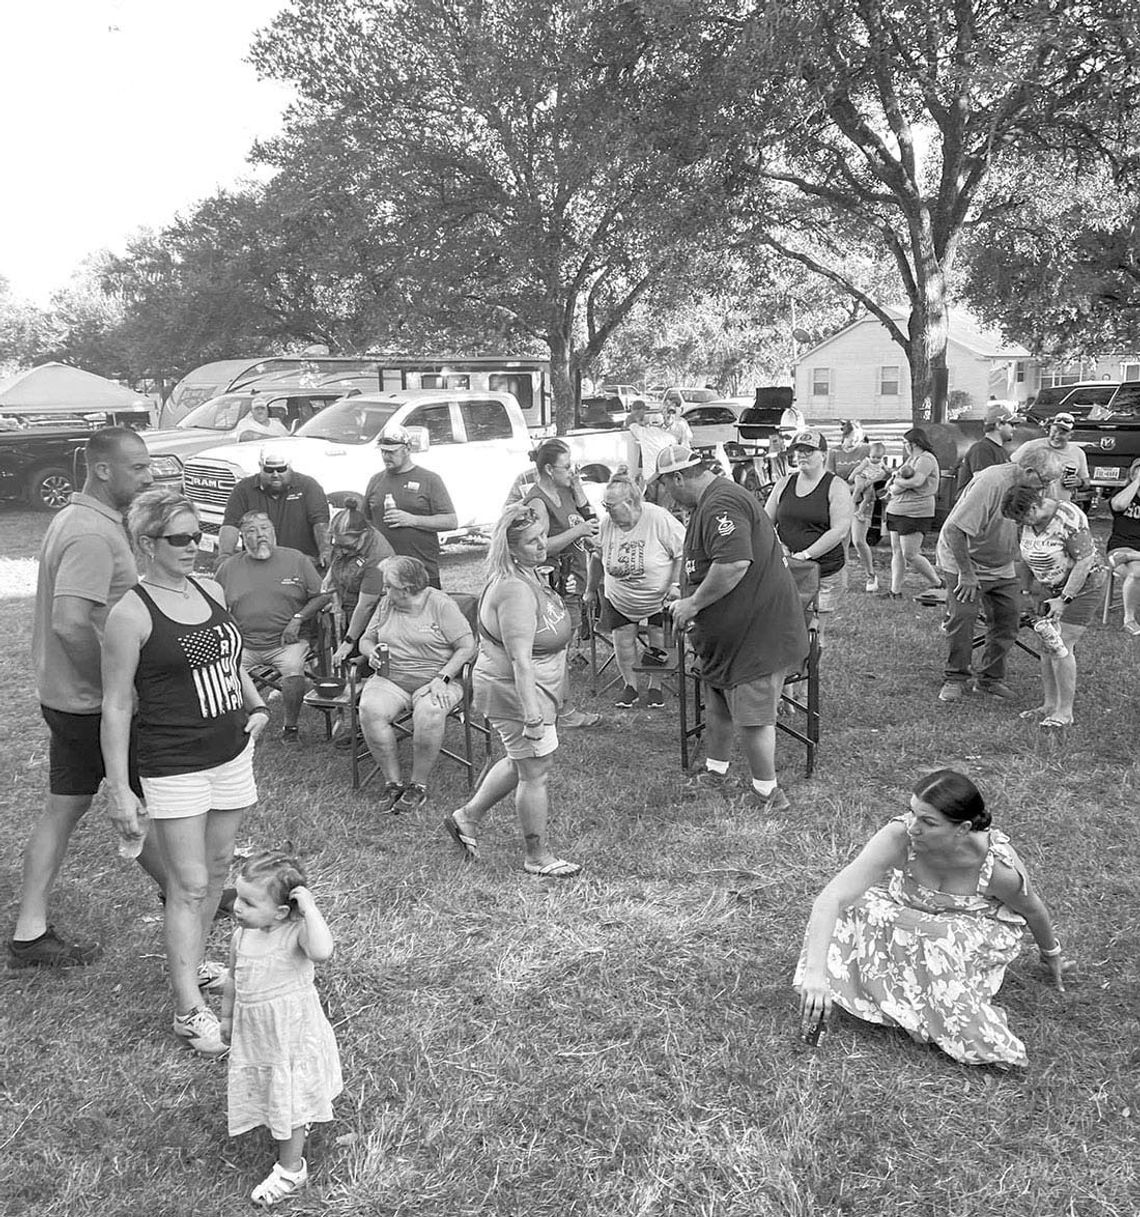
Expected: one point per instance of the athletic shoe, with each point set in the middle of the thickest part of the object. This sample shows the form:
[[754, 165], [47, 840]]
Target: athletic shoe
[[202, 1031], [655, 699], [50, 951], [413, 798], [390, 796], [212, 976], [952, 690], [995, 688], [889, 595], [872, 585], [706, 779], [279, 1185], [776, 801], [627, 699]]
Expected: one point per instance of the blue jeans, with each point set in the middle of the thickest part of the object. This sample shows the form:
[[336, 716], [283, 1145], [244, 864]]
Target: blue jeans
[[1001, 600]]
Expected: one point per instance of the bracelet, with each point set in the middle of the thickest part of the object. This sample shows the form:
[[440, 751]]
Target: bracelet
[[1054, 951], [262, 709]]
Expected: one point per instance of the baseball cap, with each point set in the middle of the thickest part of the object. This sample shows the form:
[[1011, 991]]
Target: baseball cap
[[675, 458], [1064, 420], [274, 456], [1001, 414], [809, 437], [395, 436]]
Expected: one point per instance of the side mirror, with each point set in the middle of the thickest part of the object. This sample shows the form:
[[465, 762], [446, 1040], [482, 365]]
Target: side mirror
[[419, 439]]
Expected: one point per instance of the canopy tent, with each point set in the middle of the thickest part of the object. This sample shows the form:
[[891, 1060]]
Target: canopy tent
[[55, 386]]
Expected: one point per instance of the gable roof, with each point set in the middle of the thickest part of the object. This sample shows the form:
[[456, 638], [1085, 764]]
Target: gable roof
[[57, 384], [963, 328]]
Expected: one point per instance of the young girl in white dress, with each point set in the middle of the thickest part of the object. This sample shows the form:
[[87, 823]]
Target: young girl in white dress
[[284, 1069]]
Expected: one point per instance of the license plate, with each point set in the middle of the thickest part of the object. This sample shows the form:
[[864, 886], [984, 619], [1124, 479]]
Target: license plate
[[1107, 473], [208, 543]]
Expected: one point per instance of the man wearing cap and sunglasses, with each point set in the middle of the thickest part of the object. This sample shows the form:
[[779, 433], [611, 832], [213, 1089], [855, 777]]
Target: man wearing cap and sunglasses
[[409, 505], [1075, 477], [743, 616], [991, 449], [294, 503]]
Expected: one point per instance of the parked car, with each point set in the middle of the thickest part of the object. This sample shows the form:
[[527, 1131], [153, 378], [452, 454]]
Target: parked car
[[683, 396], [627, 393], [715, 422], [37, 464], [1076, 399]]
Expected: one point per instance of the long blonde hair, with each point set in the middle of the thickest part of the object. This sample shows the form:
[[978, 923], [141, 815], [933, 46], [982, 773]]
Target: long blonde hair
[[515, 519]]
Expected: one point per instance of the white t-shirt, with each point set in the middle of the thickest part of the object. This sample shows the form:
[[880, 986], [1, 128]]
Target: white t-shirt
[[651, 441], [639, 563]]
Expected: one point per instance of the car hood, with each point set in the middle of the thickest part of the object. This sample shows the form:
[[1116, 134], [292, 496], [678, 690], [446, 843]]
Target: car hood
[[178, 440], [303, 453]]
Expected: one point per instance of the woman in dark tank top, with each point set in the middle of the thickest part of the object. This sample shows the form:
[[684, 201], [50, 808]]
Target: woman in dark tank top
[[811, 508]]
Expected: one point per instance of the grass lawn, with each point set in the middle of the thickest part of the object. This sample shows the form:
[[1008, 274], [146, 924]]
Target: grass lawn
[[623, 1045]]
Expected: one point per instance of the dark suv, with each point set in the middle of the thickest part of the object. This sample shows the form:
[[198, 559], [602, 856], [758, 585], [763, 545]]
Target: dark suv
[[1110, 436]]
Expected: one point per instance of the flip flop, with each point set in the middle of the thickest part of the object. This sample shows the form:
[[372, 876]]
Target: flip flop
[[465, 841], [1037, 710], [1053, 723], [1133, 628], [558, 869]]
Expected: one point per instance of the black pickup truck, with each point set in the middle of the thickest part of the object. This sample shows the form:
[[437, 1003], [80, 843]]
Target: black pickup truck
[[1110, 436], [37, 463]]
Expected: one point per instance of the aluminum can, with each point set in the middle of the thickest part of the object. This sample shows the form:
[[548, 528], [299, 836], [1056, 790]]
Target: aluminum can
[[1051, 641]]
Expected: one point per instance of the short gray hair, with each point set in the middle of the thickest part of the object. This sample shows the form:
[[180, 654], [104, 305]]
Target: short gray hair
[[626, 484], [1047, 463], [250, 516], [411, 572]]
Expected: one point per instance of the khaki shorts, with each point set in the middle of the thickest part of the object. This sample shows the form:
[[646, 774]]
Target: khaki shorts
[[286, 660], [831, 587], [754, 703], [518, 747], [384, 699]]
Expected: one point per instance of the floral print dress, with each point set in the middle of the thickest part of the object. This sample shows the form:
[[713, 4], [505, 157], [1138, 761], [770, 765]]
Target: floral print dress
[[905, 955]]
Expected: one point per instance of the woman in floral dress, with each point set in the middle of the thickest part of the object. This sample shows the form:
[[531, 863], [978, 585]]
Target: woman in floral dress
[[918, 930]]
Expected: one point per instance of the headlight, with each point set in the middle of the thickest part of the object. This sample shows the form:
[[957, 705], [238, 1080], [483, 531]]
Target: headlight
[[166, 466]]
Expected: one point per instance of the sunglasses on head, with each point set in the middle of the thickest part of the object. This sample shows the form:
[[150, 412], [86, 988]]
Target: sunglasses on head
[[180, 540], [524, 519]]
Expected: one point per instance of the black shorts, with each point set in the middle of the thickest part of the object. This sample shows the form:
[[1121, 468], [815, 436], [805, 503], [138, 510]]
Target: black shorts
[[611, 619], [906, 525], [75, 756]]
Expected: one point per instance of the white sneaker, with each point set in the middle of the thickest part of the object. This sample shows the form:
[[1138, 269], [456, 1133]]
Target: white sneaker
[[279, 1185], [872, 584], [202, 1031], [212, 976]]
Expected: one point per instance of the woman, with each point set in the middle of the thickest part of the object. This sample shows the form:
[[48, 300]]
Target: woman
[[852, 449], [640, 550], [524, 630], [1124, 544], [918, 930], [556, 499], [354, 572], [811, 509], [1058, 548], [910, 511], [171, 643], [429, 641]]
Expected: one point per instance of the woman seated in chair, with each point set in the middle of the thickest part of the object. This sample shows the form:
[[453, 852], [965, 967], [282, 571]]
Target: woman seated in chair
[[428, 643], [358, 551], [640, 550]]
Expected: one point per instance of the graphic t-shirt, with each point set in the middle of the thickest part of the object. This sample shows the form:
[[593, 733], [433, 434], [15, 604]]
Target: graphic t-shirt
[[758, 628], [420, 492], [1053, 552], [419, 644], [1126, 526], [638, 562], [263, 595]]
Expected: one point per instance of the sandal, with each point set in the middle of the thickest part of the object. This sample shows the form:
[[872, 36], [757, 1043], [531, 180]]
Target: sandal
[[1132, 627], [578, 719], [1053, 723], [1035, 712], [464, 840], [558, 869], [279, 1184]]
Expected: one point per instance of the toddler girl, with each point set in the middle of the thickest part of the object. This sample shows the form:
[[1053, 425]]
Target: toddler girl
[[284, 1067], [867, 478]]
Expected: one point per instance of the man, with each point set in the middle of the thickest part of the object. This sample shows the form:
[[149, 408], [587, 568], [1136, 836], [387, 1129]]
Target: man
[[273, 593], [257, 424], [295, 504], [743, 611], [976, 556], [86, 566], [420, 506], [648, 438], [1075, 472], [990, 450]]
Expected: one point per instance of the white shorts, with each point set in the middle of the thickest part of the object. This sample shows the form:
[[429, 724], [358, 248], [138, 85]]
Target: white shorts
[[226, 787]]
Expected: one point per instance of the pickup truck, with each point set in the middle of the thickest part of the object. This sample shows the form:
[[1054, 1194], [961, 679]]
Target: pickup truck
[[478, 442], [37, 463], [1110, 435]]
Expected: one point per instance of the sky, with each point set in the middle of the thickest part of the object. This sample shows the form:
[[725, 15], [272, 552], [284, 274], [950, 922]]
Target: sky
[[118, 114]]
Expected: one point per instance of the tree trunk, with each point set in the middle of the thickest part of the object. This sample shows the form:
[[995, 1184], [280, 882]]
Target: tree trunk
[[562, 381], [928, 331]]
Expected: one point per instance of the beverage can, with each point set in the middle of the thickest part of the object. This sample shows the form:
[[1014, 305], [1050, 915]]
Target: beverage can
[[380, 658], [1050, 636]]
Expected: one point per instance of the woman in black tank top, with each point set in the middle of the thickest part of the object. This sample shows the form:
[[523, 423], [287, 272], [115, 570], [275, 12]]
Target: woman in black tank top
[[170, 643]]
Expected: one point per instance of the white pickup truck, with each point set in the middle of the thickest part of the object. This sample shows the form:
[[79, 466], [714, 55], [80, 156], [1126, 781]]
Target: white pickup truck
[[477, 442]]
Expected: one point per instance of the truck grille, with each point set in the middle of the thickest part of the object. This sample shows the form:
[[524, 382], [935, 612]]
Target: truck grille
[[208, 483]]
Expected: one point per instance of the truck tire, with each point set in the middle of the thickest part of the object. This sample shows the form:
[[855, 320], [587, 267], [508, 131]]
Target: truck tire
[[50, 488]]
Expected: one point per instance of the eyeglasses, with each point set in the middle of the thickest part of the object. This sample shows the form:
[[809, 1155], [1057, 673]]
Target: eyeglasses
[[274, 468], [180, 540]]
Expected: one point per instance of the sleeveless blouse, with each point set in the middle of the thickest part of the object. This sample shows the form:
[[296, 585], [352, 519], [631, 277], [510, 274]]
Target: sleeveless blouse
[[803, 519], [191, 711]]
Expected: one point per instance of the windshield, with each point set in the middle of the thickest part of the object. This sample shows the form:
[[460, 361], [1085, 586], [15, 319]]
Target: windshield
[[349, 421], [699, 396], [218, 414]]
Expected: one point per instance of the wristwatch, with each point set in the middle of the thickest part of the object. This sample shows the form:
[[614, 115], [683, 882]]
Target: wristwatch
[[446, 679], [1066, 599]]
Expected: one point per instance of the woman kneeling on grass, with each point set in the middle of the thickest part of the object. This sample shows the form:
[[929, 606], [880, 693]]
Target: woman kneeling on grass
[[519, 683], [1058, 548], [918, 930]]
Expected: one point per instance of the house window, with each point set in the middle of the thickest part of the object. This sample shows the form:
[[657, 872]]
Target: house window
[[1020, 375], [889, 380], [1130, 371], [821, 382]]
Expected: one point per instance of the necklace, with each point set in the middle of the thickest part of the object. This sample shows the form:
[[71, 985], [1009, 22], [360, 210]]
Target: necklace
[[177, 591]]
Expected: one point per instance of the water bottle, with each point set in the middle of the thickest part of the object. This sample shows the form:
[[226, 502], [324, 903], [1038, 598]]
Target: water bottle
[[1051, 641], [131, 847], [389, 503]]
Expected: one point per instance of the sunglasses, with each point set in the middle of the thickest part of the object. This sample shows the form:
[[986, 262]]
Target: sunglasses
[[524, 519], [274, 468], [180, 540]]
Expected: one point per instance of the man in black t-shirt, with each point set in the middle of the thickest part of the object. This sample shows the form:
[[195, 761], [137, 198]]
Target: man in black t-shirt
[[294, 503], [743, 617], [422, 507]]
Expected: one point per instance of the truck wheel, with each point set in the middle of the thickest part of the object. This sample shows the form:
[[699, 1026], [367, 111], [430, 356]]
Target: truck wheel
[[49, 488]]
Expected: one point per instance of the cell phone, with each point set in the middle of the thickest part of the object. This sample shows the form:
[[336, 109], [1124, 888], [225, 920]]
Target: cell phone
[[814, 1034]]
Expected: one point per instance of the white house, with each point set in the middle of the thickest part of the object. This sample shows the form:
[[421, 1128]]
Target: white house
[[861, 372]]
